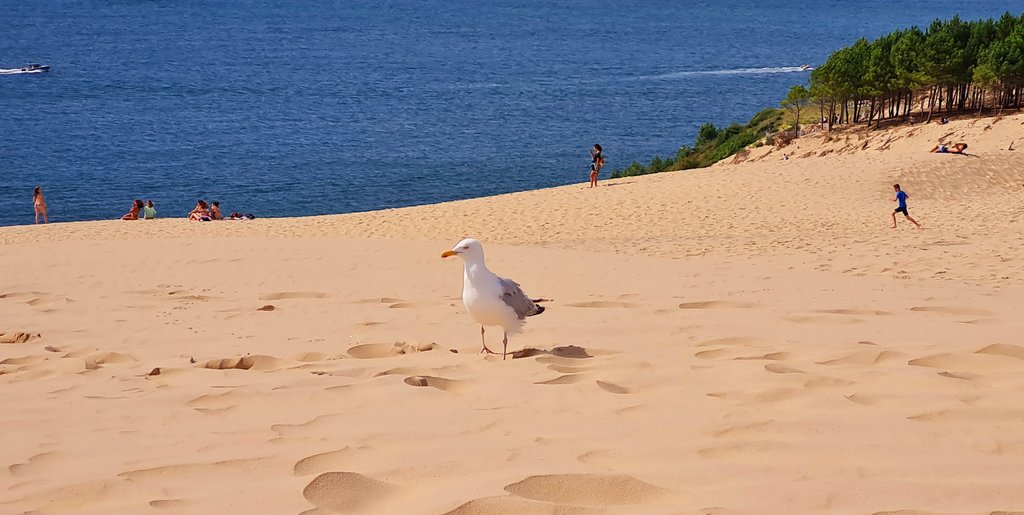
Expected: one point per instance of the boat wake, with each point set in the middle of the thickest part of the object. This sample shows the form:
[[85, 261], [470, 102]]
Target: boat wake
[[736, 71], [32, 68], [17, 71]]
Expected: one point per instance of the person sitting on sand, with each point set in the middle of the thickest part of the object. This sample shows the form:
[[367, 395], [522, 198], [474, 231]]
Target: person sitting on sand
[[39, 203], [201, 212], [901, 198], [134, 213], [941, 148], [149, 212], [215, 211]]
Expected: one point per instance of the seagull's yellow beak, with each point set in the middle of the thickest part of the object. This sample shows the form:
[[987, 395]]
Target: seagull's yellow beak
[[449, 253]]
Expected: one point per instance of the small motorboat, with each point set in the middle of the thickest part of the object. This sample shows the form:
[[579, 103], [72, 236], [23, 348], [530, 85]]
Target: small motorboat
[[805, 67], [29, 68]]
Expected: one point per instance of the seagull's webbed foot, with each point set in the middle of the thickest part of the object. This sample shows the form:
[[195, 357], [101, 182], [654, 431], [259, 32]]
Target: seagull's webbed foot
[[484, 343]]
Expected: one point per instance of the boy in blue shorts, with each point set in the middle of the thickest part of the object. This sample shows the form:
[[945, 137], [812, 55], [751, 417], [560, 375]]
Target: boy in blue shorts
[[901, 197]]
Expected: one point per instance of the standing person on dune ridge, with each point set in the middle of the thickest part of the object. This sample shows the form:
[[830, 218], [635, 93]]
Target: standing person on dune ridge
[[901, 198], [596, 162], [39, 204]]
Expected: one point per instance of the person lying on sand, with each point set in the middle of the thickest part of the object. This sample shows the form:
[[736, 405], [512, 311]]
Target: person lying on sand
[[901, 197], [201, 212], [941, 148], [134, 213]]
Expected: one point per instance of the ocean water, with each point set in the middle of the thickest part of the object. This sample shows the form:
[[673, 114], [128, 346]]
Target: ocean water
[[291, 107]]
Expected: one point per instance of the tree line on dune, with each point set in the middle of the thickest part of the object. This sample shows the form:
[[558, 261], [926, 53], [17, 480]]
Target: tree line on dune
[[952, 66]]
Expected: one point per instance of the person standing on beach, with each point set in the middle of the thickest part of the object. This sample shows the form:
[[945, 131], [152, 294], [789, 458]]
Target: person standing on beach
[[39, 203], [596, 162], [901, 198]]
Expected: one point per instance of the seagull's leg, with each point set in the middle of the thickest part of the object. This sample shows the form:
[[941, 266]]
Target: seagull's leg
[[504, 341], [484, 342]]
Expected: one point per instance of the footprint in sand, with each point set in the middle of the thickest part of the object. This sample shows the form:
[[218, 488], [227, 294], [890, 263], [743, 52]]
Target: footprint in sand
[[951, 310], [568, 352], [510, 504], [865, 357], [388, 350], [285, 295], [715, 304], [743, 449], [602, 304], [565, 379], [568, 369], [853, 312], [613, 388], [323, 462], [37, 463], [440, 383], [821, 319], [18, 337], [254, 362], [728, 340], [587, 489], [1003, 349], [778, 368], [346, 492]]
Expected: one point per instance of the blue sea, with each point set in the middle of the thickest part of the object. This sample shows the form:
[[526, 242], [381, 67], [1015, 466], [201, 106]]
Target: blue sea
[[292, 107]]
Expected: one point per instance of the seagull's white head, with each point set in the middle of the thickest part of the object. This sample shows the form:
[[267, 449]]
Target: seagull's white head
[[468, 249]]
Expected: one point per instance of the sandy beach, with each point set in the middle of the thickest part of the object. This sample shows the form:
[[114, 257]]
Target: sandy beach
[[747, 338]]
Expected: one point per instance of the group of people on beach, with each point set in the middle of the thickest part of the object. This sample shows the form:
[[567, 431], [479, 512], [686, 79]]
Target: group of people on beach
[[140, 210]]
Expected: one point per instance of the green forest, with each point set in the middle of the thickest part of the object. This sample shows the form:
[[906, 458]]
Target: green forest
[[951, 67]]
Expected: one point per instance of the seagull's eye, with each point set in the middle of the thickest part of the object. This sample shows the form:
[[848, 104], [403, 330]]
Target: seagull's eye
[[465, 247]]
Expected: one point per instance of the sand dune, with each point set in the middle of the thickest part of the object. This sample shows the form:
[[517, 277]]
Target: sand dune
[[749, 338]]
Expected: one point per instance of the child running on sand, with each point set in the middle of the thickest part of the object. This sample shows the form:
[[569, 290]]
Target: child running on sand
[[901, 197], [39, 203]]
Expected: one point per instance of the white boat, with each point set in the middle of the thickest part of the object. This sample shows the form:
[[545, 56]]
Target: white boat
[[31, 68], [805, 67]]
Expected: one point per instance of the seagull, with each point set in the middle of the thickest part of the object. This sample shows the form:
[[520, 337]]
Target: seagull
[[490, 299]]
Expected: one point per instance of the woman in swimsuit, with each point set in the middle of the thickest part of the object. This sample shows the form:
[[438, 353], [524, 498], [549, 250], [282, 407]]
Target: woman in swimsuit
[[40, 205], [596, 162], [201, 212], [134, 213]]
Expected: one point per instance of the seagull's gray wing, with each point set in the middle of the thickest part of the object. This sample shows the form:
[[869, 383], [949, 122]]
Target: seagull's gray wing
[[514, 297]]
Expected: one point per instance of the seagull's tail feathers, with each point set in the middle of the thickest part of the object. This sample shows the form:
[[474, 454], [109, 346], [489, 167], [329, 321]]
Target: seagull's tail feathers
[[540, 309]]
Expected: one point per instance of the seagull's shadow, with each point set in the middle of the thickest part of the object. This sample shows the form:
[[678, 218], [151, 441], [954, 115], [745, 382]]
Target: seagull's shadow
[[566, 351]]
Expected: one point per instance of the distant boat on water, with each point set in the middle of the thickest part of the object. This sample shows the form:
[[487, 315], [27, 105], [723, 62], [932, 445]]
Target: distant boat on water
[[806, 67], [31, 68]]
